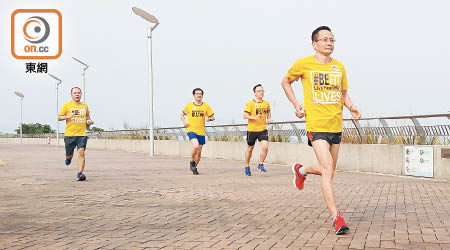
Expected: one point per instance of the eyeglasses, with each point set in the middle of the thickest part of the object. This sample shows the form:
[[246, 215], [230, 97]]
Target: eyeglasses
[[331, 40]]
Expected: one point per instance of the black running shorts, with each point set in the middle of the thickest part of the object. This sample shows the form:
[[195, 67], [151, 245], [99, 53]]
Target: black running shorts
[[331, 138], [74, 141], [260, 135]]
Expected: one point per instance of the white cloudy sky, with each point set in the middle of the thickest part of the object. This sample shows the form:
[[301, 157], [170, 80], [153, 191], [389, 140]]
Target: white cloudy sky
[[396, 54]]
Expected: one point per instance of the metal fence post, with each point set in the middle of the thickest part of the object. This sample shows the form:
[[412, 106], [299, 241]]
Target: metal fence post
[[175, 134], [227, 134], [297, 132], [388, 131], [236, 128], [207, 134], [216, 136], [360, 131], [278, 128], [183, 134], [420, 130]]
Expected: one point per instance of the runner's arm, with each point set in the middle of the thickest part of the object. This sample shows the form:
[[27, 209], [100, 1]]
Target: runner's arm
[[249, 117], [88, 118], [287, 87], [286, 84], [64, 117], [211, 118], [347, 101], [356, 113], [183, 119]]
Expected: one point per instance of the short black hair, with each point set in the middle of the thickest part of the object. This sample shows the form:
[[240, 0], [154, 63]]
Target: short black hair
[[75, 88], [316, 32], [193, 91], [257, 85]]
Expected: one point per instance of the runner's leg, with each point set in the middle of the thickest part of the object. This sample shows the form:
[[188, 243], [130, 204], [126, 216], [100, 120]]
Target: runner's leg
[[81, 160], [264, 150], [322, 149], [198, 155], [194, 148], [248, 155]]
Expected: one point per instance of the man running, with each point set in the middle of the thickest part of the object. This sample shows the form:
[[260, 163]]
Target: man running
[[76, 114], [257, 112], [197, 112], [325, 92]]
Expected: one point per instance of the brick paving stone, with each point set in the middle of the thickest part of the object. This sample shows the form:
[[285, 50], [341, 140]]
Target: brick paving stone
[[132, 201], [387, 244], [372, 243]]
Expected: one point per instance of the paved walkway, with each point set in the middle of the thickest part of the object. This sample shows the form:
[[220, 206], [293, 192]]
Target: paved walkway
[[131, 201]]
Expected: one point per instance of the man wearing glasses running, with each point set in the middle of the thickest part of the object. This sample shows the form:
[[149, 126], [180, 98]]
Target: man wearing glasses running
[[325, 93]]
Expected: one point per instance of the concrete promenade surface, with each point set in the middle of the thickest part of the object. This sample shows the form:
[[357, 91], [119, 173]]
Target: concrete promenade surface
[[131, 201]]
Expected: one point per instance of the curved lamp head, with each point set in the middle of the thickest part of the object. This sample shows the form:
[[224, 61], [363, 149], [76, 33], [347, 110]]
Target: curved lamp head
[[145, 15], [87, 66], [19, 94], [56, 78]]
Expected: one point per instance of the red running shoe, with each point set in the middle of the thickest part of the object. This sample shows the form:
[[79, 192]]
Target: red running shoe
[[299, 179], [339, 225]]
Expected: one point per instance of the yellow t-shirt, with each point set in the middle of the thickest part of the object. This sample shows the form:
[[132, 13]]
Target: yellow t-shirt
[[322, 86], [75, 126], [254, 108], [196, 117]]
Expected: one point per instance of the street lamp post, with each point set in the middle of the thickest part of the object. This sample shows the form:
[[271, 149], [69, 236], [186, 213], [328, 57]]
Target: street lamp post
[[83, 78], [152, 19], [21, 96], [57, 121]]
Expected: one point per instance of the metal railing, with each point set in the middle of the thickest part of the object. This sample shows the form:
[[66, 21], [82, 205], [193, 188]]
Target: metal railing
[[294, 131]]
